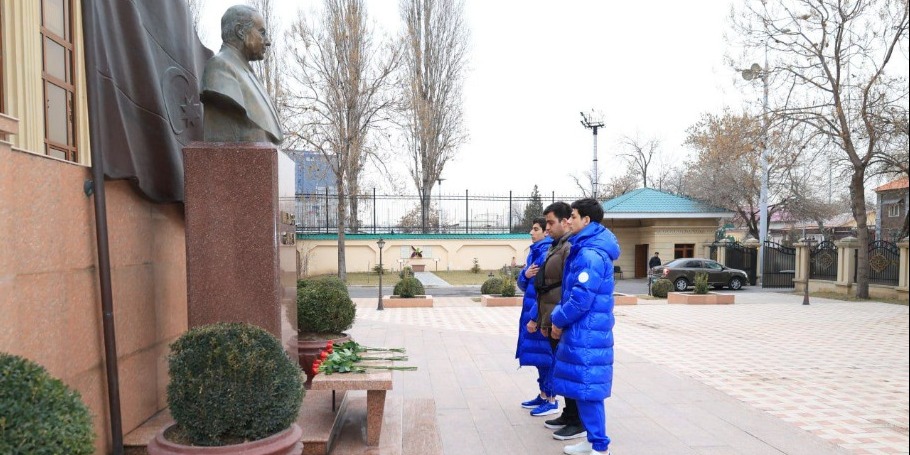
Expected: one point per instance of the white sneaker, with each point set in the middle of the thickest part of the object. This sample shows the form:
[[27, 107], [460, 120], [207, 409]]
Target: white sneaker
[[594, 452], [582, 448]]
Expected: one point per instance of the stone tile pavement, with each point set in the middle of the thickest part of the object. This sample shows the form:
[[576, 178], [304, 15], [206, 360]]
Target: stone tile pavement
[[765, 375]]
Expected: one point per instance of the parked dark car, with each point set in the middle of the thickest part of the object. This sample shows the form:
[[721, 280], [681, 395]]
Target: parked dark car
[[682, 273]]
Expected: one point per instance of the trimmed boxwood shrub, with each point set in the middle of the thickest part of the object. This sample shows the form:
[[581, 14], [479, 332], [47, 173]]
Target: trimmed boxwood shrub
[[405, 272], [39, 414], [508, 288], [661, 287], [409, 287], [491, 286], [231, 382], [324, 306]]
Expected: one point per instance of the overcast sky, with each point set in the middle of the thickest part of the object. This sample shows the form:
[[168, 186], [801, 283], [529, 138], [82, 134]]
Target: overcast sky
[[652, 67]]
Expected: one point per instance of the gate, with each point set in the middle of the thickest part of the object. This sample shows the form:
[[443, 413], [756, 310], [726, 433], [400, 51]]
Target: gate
[[823, 261], [743, 258], [713, 251], [778, 265], [883, 263]]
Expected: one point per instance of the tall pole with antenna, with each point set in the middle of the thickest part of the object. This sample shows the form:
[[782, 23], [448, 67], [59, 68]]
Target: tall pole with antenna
[[593, 121]]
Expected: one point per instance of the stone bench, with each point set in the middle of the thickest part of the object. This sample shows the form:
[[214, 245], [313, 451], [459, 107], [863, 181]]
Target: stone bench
[[375, 383]]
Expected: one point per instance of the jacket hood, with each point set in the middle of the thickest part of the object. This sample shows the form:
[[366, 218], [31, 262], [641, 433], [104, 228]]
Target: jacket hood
[[594, 235]]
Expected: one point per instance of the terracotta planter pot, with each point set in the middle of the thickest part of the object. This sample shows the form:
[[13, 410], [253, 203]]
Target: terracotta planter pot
[[286, 442], [309, 345]]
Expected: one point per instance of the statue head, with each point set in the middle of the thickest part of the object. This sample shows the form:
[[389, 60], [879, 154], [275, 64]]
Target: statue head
[[243, 28]]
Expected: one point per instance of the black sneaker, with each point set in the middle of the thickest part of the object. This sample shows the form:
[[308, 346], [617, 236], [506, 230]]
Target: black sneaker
[[570, 432], [557, 423]]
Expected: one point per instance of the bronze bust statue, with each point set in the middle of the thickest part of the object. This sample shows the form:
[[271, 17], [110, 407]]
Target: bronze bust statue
[[237, 107]]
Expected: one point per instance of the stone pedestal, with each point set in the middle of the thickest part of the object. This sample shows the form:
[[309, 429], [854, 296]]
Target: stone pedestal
[[234, 231]]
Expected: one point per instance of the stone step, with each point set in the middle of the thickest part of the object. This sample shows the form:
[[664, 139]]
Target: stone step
[[409, 427]]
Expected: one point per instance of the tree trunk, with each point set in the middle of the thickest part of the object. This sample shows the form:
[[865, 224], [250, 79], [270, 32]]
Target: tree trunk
[[342, 208], [858, 206], [425, 209]]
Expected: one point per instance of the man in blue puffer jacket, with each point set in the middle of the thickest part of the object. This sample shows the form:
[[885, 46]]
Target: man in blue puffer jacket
[[584, 321], [533, 348]]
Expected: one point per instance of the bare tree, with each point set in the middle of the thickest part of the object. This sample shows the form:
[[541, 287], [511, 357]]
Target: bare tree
[[273, 72], [619, 185], [638, 154], [435, 40], [725, 171], [342, 79], [585, 184], [832, 58]]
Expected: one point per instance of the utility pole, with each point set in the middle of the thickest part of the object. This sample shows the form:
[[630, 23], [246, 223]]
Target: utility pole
[[593, 121], [756, 71]]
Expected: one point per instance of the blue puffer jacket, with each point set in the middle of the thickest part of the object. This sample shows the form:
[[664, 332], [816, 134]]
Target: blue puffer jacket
[[533, 348], [584, 358]]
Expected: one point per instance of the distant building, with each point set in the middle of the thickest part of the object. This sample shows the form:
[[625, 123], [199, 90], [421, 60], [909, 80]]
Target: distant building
[[891, 209], [313, 180]]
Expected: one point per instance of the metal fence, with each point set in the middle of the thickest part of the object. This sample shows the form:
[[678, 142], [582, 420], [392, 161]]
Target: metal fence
[[884, 263], [448, 213], [823, 261], [778, 265], [743, 258]]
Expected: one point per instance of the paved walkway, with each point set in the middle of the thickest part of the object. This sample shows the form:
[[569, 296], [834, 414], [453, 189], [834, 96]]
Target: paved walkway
[[430, 279], [766, 375]]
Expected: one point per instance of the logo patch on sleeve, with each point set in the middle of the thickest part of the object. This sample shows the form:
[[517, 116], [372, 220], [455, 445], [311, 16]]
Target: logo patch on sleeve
[[583, 277]]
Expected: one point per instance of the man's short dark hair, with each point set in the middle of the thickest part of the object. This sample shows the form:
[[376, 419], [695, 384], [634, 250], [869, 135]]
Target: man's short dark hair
[[590, 208], [560, 210], [236, 15], [540, 221]]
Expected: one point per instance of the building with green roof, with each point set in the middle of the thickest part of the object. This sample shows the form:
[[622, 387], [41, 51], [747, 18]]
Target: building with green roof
[[647, 221]]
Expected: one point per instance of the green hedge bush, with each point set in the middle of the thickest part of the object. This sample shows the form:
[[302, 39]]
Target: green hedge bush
[[324, 306], [701, 283], [232, 382], [661, 287], [508, 289], [492, 286], [409, 287], [405, 272], [39, 414]]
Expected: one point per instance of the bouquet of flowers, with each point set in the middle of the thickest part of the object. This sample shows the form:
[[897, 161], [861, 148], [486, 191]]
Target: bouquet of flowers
[[346, 358]]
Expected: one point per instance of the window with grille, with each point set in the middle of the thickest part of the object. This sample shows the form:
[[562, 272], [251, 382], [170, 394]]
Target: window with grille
[[57, 75]]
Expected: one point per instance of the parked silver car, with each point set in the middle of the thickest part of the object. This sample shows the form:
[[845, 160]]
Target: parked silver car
[[682, 273]]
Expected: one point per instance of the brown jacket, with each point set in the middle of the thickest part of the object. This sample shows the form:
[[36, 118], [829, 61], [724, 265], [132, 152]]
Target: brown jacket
[[549, 280]]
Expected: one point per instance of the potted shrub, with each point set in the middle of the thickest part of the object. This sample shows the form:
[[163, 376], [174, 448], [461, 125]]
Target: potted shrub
[[409, 292], [39, 414], [701, 294], [324, 311], [499, 292], [660, 288], [232, 389]]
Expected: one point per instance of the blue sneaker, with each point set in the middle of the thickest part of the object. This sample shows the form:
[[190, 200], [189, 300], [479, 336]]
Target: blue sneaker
[[546, 409], [532, 404]]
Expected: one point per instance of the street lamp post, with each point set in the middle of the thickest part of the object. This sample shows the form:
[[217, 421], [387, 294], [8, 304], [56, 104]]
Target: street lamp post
[[753, 72], [380, 243], [593, 121]]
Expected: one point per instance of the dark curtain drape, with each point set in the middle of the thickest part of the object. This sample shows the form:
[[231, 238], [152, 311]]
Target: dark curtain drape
[[143, 84]]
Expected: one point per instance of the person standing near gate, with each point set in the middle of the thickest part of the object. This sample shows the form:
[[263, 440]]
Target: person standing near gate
[[655, 260]]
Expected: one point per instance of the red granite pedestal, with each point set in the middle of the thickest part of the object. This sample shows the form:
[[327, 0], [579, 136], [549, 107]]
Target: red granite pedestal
[[234, 229]]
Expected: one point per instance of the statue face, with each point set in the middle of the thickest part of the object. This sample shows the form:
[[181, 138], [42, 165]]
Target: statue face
[[255, 40]]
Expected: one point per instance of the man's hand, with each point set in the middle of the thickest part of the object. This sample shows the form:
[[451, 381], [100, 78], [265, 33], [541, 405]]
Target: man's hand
[[531, 326], [556, 333], [531, 271]]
